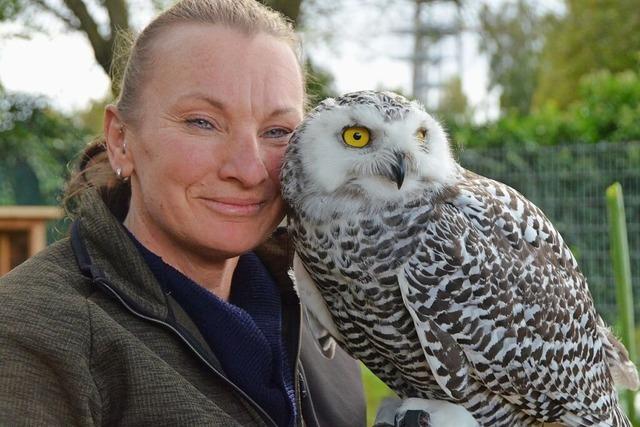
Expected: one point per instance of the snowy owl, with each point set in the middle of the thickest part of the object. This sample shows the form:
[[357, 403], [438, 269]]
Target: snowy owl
[[446, 284]]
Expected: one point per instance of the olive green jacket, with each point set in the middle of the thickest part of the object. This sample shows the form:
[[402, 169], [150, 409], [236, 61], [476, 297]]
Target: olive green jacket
[[88, 337]]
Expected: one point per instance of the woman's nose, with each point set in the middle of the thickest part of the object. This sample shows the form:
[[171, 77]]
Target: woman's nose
[[244, 162]]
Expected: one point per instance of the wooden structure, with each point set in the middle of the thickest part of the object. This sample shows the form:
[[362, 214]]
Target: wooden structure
[[23, 232]]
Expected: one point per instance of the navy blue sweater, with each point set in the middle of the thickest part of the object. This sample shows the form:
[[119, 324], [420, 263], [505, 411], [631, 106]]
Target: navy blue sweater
[[244, 333]]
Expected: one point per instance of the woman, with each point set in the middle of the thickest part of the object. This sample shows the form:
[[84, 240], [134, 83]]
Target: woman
[[169, 304]]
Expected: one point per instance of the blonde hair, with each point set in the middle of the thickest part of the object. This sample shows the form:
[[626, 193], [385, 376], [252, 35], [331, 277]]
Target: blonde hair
[[247, 16]]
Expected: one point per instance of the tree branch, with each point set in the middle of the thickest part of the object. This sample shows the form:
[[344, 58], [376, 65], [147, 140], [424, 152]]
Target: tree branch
[[58, 14], [101, 46], [118, 16]]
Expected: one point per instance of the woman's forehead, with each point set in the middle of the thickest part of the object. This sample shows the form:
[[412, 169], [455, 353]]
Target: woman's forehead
[[207, 48], [202, 58]]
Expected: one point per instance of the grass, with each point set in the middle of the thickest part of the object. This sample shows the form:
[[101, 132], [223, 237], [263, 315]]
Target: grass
[[375, 391]]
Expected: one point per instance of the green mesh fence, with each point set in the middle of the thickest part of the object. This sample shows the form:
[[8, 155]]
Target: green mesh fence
[[568, 183]]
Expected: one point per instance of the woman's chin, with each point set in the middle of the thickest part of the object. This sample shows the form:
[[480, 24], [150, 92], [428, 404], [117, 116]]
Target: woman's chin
[[232, 241]]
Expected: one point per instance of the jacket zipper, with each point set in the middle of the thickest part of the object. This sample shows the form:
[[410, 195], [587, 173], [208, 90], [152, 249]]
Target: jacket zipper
[[262, 412], [296, 371]]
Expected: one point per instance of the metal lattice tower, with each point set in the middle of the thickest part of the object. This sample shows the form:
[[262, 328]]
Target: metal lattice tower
[[437, 53]]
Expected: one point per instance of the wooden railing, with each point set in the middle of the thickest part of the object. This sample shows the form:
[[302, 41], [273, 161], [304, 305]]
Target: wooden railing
[[23, 232]]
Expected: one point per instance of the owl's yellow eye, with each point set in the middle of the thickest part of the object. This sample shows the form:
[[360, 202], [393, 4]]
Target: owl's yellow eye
[[356, 136], [421, 135]]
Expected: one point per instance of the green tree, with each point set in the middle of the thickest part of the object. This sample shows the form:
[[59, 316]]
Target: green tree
[[453, 106], [453, 110], [591, 36], [92, 117], [9, 9], [36, 144], [512, 37], [320, 83], [607, 109]]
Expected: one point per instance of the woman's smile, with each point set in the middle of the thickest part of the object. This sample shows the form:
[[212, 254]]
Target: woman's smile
[[233, 206]]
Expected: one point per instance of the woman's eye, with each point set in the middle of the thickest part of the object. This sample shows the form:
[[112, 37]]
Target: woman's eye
[[277, 133], [200, 123]]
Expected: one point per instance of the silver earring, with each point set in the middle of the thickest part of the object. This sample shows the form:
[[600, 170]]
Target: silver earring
[[119, 173], [124, 147]]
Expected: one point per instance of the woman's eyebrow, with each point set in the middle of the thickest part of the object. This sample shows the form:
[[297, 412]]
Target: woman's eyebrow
[[280, 111], [200, 97], [283, 111]]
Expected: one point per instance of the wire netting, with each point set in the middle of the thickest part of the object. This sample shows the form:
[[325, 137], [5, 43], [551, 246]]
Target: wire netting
[[568, 183]]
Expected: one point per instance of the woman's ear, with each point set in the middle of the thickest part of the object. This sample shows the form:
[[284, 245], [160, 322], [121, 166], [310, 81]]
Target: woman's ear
[[115, 134]]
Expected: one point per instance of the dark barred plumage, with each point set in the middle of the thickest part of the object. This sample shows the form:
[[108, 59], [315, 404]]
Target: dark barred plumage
[[458, 289]]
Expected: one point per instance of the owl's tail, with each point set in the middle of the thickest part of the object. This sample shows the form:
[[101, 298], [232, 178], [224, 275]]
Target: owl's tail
[[623, 371], [619, 418], [616, 418]]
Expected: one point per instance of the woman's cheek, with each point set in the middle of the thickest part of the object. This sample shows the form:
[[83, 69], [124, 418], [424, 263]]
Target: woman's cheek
[[274, 159], [196, 166]]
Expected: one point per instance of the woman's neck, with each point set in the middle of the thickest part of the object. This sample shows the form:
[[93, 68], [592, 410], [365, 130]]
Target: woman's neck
[[214, 273]]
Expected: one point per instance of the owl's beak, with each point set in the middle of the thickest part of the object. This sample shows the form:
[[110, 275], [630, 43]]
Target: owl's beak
[[398, 169]]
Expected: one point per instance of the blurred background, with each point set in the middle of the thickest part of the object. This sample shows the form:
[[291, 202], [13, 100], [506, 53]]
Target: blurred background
[[542, 95]]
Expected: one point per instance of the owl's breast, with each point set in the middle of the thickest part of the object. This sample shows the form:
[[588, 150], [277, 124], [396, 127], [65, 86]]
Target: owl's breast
[[355, 263]]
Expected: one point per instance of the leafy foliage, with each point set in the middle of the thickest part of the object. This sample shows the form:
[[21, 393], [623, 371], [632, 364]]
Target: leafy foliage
[[607, 109], [319, 84], [9, 9], [36, 144], [92, 118], [512, 36], [453, 107], [592, 36]]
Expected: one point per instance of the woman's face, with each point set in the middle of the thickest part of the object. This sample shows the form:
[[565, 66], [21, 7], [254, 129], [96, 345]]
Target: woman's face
[[216, 113]]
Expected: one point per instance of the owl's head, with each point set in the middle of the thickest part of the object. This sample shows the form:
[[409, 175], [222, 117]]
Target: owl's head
[[377, 145]]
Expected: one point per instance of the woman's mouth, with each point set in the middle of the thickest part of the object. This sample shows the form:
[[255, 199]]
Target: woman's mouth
[[234, 206]]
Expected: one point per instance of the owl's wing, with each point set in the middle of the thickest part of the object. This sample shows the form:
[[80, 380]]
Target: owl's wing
[[497, 296], [315, 310]]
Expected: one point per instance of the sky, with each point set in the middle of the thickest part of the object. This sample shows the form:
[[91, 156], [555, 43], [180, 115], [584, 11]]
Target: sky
[[363, 50]]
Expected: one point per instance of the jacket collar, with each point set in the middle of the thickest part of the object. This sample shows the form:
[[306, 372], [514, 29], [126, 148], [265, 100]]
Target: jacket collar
[[112, 254]]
